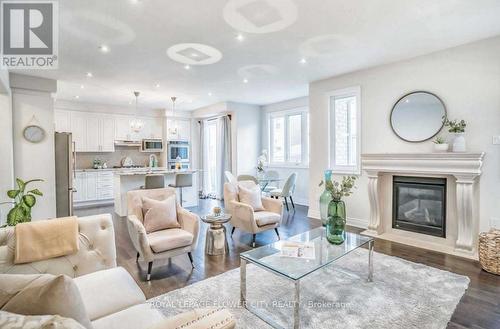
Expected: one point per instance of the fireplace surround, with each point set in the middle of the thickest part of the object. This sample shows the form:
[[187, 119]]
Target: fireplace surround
[[462, 173]]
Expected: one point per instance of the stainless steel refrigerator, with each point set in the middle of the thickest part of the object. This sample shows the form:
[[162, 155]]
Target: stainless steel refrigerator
[[65, 173]]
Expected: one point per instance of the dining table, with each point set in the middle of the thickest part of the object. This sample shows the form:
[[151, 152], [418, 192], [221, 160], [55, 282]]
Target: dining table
[[264, 181]]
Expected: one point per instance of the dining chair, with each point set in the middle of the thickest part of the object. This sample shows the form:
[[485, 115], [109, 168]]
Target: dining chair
[[248, 177], [287, 190], [272, 174], [230, 177]]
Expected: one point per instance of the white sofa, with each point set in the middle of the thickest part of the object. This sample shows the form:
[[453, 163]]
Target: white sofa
[[110, 295]]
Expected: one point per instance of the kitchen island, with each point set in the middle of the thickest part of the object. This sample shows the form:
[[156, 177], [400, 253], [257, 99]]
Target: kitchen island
[[124, 181]]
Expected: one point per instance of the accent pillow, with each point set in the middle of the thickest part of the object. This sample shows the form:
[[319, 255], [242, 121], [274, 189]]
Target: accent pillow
[[19, 321], [159, 215], [42, 294], [251, 196]]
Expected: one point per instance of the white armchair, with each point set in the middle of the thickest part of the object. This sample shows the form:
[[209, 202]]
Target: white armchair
[[165, 243], [245, 218]]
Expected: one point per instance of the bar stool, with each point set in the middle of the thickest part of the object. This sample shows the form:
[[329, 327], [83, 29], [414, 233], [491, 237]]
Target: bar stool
[[182, 180], [154, 181]]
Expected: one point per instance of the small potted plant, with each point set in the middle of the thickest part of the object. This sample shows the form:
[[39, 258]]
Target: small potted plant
[[23, 202], [457, 128], [440, 144], [336, 220]]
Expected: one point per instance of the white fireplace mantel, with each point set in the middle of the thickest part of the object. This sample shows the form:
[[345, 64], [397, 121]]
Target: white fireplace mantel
[[464, 167]]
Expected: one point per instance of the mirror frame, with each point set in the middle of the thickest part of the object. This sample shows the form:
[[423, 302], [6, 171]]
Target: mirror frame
[[418, 92]]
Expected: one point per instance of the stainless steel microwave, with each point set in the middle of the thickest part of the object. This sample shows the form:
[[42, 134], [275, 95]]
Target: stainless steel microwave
[[178, 151], [152, 145]]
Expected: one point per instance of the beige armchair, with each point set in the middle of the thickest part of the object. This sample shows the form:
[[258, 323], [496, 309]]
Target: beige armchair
[[165, 243], [245, 218]]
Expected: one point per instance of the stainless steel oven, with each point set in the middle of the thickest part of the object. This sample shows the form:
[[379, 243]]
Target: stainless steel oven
[[178, 151], [184, 165]]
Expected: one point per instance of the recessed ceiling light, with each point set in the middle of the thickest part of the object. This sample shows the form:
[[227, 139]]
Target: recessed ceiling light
[[136, 1], [104, 49], [187, 67], [303, 61], [189, 101], [157, 85], [240, 37], [82, 86], [129, 102], [245, 80], [89, 75], [210, 94], [194, 55], [77, 97]]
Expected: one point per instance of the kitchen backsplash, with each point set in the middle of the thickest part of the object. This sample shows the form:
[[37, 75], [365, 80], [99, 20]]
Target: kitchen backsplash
[[86, 160]]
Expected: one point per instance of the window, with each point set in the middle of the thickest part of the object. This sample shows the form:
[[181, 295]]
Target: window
[[288, 137], [345, 119]]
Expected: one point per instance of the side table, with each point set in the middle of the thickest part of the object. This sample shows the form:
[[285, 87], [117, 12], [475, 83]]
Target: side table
[[216, 240]]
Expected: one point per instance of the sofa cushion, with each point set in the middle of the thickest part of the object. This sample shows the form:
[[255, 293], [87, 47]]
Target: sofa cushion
[[169, 239], [251, 195], [264, 218], [142, 316], [19, 321], [159, 215], [109, 291], [42, 294], [199, 319]]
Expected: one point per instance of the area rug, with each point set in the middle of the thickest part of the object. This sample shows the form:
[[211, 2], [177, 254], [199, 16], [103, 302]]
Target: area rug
[[402, 295]]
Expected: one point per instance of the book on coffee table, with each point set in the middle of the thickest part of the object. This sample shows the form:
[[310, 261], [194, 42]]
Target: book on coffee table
[[298, 250]]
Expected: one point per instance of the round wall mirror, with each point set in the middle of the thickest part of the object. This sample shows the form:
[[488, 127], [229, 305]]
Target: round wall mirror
[[418, 116]]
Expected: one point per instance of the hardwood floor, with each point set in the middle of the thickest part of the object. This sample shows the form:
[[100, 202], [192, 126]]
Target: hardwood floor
[[479, 307]]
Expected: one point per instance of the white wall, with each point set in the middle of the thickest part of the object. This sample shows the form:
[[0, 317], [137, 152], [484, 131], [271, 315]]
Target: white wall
[[466, 78], [6, 160], [35, 160], [247, 119], [301, 195]]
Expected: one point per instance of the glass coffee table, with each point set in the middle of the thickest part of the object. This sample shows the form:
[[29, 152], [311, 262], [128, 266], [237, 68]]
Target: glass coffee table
[[294, 269]]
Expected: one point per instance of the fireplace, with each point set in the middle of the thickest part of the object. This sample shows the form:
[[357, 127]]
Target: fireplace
[[419, 205]]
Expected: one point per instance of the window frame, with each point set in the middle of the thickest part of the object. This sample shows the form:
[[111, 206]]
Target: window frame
[[304, 112], [341, 93]]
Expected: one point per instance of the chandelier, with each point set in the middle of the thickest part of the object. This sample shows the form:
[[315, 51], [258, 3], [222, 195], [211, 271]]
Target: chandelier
[[136, 124], [173, 130]]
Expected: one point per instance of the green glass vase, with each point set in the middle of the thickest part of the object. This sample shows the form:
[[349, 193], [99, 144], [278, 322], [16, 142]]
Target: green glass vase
[[335, 226], [324, 199]]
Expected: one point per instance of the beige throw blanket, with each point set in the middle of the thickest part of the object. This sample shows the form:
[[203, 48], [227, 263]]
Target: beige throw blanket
[[46, 239]]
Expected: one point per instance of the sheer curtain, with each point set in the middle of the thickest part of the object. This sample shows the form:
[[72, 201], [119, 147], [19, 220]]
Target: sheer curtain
[[224, 150], [215, 155]]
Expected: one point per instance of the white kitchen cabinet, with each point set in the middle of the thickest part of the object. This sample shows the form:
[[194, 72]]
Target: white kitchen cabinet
[[93, 187], [93, 132], [183, 129], [80, 187], [153, 128], [62, 123], [91, 183], [79, 130], [107, 133]]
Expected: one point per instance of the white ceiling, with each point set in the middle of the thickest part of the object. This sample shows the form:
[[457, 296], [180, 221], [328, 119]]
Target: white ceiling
[[334, 36]]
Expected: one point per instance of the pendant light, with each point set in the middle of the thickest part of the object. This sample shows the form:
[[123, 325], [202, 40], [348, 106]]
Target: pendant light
[[173, 129], [136, 124]]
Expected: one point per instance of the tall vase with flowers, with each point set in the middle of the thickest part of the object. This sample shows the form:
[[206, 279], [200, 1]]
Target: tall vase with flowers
[[335, 226]]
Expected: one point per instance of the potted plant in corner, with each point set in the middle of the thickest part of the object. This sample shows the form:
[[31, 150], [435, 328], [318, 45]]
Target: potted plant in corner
[[23, 202], [457, 128], [336, 220], [440, 144]]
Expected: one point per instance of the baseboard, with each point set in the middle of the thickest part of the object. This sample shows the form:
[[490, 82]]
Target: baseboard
[[356, 222]]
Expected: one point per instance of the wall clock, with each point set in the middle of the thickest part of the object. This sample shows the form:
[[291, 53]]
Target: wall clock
[[34, 134]]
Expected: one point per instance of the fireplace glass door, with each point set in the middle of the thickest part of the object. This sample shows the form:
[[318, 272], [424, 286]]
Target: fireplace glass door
[[419, 205]]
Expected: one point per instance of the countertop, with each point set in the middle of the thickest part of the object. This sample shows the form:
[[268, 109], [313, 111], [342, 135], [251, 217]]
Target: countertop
[[138, 171]]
